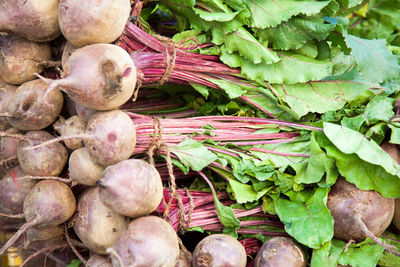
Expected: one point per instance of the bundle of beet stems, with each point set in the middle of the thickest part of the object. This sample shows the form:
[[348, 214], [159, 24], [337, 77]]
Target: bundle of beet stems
[[158, 60]]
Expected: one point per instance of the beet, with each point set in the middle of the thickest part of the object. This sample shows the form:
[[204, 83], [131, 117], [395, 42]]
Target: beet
[[132, 187], [20, 59], [184, 260], [35, 20], [6, 93], [83, 169], [29, 109], [219, 251], [44, 233], [95, 224], [99, 76], [280, 251], [49, 203], [47, 160], [73, 126], [84, 23], [148, 241], [13, 191], [9, 145], [67, 52], [84, 112]]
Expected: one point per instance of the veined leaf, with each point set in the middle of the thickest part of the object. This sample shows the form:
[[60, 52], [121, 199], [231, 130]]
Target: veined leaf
[[374, 60], [328, 254], [310, 223], [320, 96], [294, 33], [270, 13]]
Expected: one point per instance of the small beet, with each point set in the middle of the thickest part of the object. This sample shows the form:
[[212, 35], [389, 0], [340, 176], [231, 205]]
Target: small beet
[[47, 160], [72, 126], [9, 145], [95, 224], [132, 187], [20, 58], [83, 169], [44, 233], [148, 241], [67, 52], [29, 109], [219, 251], [280, 251]]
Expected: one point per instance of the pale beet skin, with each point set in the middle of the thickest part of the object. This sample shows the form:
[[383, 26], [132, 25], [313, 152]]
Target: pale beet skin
[[6, 93], [132, 187], [30, 110], [83, 23], [348, 205], [83, 169], [280, 251], [36, 234], [84, 112], [67, 52], [99, 76], [46, 160], [98, 261], [9, 145], [148, 241], [96, 225], [184, 260], [113, 137], [35, 20], [219, 251], [20, 58]]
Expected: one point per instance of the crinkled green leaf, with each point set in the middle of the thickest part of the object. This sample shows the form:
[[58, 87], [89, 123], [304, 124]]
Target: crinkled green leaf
[[328, 254], [387, 259], [227, 217], [377, 132], [271, 13], [294, 33], [310, 223], [320, 96], [193, 154], [354, 123], [244, 43], [380, 108], [365, 175], [349, 141], [374, 60], [365, 255], [216, 16], [233, 90]]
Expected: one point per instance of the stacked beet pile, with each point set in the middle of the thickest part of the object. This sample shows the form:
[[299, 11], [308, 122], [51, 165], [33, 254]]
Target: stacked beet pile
[[199, 133]]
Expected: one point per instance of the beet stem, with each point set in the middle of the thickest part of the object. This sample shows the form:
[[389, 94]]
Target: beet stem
[[58, 139], [14, 216], [37, 253], [54, 178], [72, 246], [115, 254], [18, 234], [389, 248]]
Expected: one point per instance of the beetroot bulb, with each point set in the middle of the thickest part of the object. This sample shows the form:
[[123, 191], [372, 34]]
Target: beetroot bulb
[[90, 22], [48, 203], [98, 76]]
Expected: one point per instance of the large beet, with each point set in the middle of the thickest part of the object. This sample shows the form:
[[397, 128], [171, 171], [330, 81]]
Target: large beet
[[149, 241], [280, 251], [351, 208]]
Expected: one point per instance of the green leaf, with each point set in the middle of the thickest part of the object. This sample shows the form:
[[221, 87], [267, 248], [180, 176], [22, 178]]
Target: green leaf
[[193, 154], [328, 254], [271, 13], [233, 90], [294, 33], [380, 108], [374, 60], [320, 96], [364, 175], [387, 259], [74, 263], [216, 16], [349, 141], [243, 42], [395, 135], [245, 193], [226, 216], [366, 255], [310, 223]]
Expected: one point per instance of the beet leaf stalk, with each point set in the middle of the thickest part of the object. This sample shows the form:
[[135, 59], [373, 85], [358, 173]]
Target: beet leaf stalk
[[158, 62]]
